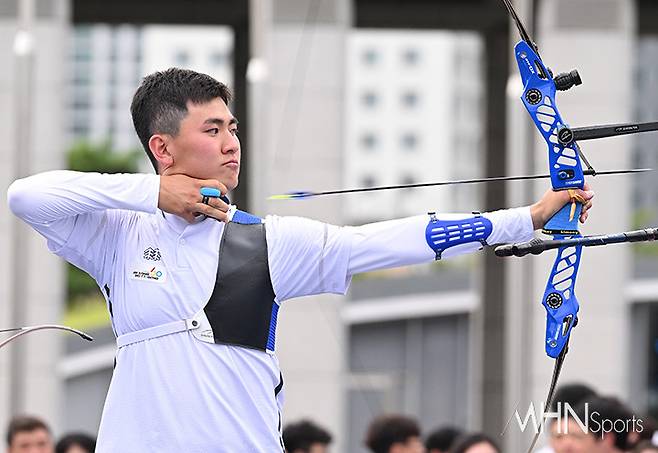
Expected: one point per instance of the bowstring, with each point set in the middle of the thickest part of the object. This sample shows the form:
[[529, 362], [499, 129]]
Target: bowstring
[[291, 112]]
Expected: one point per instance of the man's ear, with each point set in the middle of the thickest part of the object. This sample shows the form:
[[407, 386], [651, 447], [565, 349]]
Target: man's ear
[[158, 147]]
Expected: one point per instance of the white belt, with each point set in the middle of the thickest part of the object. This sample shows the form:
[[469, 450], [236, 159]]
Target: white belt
[[157, 331]]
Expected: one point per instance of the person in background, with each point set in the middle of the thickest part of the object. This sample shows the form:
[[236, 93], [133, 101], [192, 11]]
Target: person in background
[[561, 438], [394, 433], [29, 434], [305, 437], [602, 412], [475, 443], [441, 439], [76, 443]]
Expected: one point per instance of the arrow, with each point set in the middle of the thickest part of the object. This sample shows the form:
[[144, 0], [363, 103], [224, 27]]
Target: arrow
[[305, 194]]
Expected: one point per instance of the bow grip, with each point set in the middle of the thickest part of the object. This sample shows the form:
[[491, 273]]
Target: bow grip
[[562, 221]]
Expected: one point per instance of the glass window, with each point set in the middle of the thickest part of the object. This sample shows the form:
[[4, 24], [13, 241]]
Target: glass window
[[411, 57], [409, 141], [370, 57], [369, 141], [369, 99], [367, 181], [409, 99], [218, 58], [181, 58]]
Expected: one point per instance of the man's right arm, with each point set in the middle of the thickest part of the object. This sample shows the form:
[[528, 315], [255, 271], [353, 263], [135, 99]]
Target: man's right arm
[[73, 210]]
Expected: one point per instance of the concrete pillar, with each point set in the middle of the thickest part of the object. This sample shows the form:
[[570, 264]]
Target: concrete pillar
[[32, 289], [296, 115]]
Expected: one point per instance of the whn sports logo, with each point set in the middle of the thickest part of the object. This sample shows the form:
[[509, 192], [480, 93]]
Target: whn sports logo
[[590, 422]]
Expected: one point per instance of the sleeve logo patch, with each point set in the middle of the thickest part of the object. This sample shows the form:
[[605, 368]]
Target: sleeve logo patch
[[154, 274]]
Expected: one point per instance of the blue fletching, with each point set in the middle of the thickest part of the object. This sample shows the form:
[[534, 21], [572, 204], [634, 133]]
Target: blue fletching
[[210, 192], [300, 194]]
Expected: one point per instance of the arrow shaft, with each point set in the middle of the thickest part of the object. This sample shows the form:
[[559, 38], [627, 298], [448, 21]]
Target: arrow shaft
[[460, 181]]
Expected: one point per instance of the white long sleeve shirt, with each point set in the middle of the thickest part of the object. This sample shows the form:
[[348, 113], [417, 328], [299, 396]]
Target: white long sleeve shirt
[[175, 393]]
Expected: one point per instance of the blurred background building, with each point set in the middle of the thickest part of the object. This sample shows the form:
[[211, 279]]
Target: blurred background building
[[354, 93]]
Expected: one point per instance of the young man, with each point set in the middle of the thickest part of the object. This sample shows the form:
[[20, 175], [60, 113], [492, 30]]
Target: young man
[[195, 317], [306, 437], [393, 433], [27, 434], [568, 397]]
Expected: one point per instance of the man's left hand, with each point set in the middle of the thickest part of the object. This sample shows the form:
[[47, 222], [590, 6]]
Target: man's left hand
[[553, 201]]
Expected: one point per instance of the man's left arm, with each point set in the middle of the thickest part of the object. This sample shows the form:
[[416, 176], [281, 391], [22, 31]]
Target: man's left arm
[[309, 257], [424, 238]]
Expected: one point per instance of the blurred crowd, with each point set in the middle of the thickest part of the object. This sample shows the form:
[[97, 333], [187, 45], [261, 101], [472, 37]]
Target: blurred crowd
[[578, 421], [30, 434], [612, 427]]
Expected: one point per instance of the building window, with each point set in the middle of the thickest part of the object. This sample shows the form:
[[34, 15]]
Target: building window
[[409, 141], [370, 57], [181, 58], [410, 57], [369, 141], [218, 58], [409, 99], [369, 99], [367, 181]]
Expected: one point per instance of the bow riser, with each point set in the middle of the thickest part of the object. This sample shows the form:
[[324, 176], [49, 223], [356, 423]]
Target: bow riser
[[565, 167], [560, 299], [539, 99]]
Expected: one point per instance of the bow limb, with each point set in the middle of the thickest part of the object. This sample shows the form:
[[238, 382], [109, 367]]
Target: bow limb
[[25, 330]]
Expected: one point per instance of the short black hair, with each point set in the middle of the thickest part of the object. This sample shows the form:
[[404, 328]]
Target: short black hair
[[160, 102], [24, 423], [464, 443], [82, 440], [387, 430], [607, 409], [303, 434], [442, 438]]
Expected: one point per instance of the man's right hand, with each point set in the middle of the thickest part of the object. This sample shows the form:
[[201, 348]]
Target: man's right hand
[[180, 195]]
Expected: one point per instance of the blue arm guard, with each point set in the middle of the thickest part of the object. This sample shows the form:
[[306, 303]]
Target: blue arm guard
[[443, 234]]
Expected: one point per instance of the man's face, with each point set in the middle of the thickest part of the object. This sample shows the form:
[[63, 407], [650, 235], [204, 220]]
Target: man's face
[[482, 447], [36, 441], [207, 145], [318, 448], [570, 438], [412, 445]]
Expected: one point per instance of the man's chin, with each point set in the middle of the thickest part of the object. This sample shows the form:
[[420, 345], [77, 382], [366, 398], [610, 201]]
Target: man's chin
[[231, 185]]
